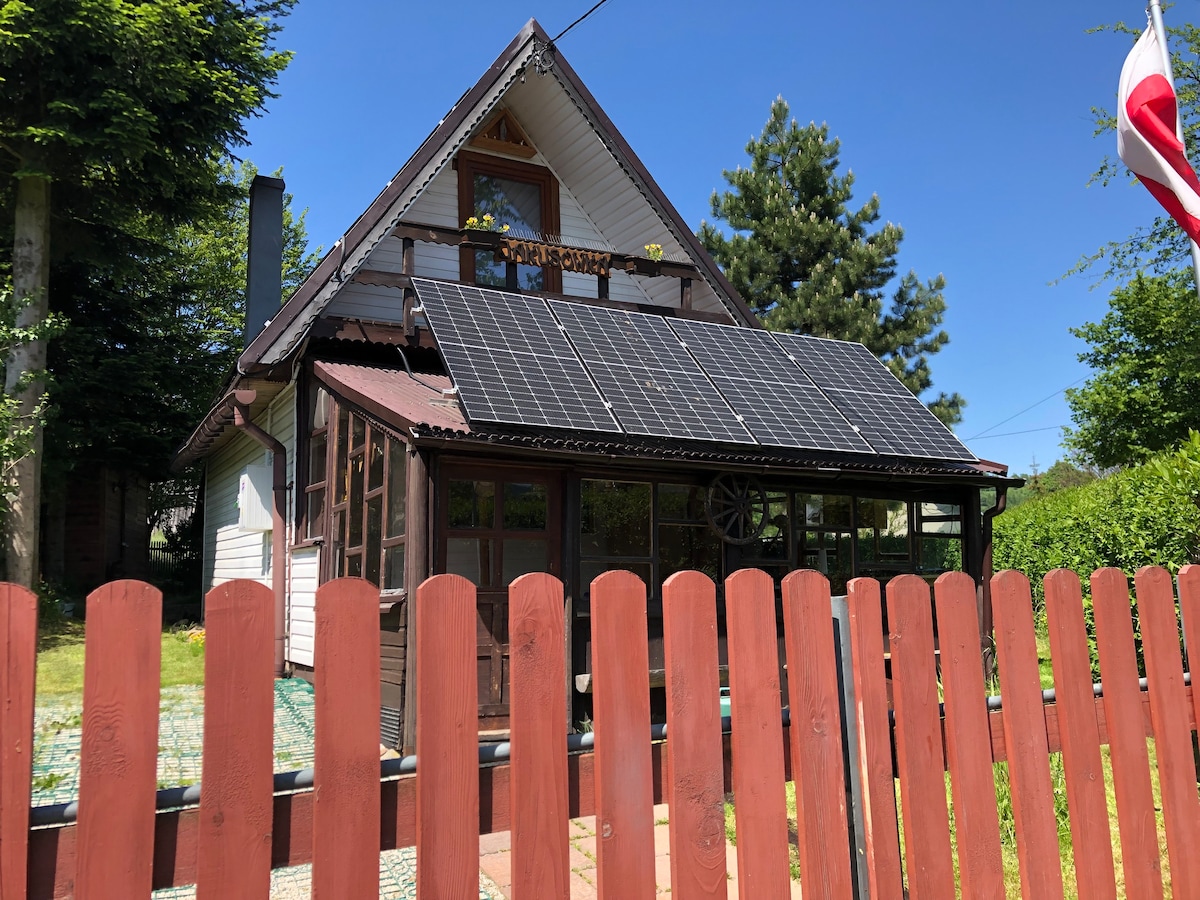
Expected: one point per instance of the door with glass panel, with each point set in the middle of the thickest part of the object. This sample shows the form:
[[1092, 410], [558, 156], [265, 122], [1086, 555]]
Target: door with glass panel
[[494, 525]]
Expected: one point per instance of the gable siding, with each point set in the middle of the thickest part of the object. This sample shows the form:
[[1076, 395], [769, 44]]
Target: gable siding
[[230, 552], [302, 605]]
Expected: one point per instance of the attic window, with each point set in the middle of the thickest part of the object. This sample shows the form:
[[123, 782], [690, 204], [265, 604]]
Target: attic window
[[517, 194], [503, 135]]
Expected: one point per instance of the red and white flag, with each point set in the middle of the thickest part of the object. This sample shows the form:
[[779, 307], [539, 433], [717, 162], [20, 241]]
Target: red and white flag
[[1146, 138]]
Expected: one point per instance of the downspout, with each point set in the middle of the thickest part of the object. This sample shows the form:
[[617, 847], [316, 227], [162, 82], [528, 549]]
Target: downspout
[[985, 613], [241, 418]]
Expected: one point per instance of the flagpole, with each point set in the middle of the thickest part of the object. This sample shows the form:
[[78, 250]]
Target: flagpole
[[1156, 20]]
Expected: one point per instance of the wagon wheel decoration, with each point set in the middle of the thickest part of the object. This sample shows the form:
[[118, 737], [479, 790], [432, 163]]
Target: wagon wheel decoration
[[736, 508]]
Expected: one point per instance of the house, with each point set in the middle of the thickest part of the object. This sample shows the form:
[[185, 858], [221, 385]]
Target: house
[[569, 385]]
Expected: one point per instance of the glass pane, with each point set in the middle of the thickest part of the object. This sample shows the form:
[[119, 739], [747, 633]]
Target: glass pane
[[471, 558], [614, 518], [358, 432], [518, 205], [522, 555], [341, 482], [829, 553], [489, 272], [939, 554], [525, 507], [681, 501], [355, 512], [591, 569], [316, 459], [375, 470], [354, 566], [374, 539], [824, 509], [397, 488], [775, 540], [338, 534], [313, 516], [472, 504], [940, 509], [953, 526], [393, 568], [683, 547], [320, 408], [883, 530]]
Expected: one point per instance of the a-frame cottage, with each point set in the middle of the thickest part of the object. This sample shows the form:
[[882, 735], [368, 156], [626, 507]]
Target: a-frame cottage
[[559, 396]]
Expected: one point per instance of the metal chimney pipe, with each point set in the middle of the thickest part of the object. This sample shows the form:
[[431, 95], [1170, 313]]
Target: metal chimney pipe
[[264, 263]]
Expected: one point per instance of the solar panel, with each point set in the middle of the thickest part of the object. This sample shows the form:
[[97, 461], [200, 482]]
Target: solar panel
[[897, 426], [886, 413], [509, 359], [654, 385], [776, 400], [841, 365]]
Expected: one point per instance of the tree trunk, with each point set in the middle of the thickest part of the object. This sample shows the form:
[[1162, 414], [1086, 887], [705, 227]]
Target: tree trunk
[[24, 370]]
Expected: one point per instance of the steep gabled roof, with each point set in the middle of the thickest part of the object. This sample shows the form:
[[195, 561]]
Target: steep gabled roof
[[285, 332]]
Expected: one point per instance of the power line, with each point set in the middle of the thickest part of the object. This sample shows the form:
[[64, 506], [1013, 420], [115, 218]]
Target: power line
[[1027, 409], [1011, 433], [554, 39]]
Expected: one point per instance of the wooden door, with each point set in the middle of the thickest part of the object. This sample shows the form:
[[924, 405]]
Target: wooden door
[[494, 525]]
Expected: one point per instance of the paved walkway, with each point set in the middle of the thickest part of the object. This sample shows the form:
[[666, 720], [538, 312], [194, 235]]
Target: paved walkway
[[495, 858], [56, 780]]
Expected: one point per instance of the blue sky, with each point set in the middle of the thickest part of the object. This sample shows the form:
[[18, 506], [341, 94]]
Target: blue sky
[[971, 122]]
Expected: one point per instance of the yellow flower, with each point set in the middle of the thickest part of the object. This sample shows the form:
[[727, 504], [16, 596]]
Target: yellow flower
[[654, 251]]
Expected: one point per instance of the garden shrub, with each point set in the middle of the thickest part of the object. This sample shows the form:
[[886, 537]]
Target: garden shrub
[[1148, 515]]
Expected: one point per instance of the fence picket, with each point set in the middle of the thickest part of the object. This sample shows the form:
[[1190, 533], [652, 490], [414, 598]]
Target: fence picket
[[816, 733], [968, 739], [696, 792], [760, 807], [234, 841], [447, 740], [1025, 739], [919, 740], [1172, 735], [1189, 612], [540, 868], [884, 878], [346, 747], [18, 662], [621, 711], [1123, 712], [119, 748], [1091, 841]]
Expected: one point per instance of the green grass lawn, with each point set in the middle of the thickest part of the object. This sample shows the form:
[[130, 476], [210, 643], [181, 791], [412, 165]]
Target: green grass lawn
[[60, 659]]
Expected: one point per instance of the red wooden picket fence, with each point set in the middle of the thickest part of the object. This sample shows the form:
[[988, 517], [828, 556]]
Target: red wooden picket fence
[[121, 847]]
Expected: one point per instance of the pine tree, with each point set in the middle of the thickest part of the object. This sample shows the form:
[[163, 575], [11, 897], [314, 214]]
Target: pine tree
[[807, 263]]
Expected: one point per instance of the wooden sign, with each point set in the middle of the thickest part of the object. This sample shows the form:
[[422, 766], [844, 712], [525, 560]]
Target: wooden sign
[[572, 259]]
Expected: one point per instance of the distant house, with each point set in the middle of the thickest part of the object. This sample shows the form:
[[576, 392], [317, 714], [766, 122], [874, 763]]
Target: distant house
[[559, 397]]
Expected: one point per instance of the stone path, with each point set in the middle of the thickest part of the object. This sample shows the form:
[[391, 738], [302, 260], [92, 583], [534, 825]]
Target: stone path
[[57, 735], [495, 858]]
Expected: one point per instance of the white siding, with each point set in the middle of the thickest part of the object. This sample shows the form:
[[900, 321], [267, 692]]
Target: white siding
[[230, 552], [302, 605], [370, 302]]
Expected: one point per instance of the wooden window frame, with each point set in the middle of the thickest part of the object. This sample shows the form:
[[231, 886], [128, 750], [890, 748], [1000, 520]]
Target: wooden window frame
[[331, 541], [306, 390], [471, 164]]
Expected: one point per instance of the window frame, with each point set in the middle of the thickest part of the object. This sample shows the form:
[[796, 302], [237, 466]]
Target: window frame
[[471, 164], [332, 506]]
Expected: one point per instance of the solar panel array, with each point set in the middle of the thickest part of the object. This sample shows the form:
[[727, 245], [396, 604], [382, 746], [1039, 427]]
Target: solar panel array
[[655, 387], [885, 412], [778, 402], [509, 359], [527, 361]]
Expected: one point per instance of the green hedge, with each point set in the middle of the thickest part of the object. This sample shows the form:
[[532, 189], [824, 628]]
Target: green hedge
[[1143, 516]]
